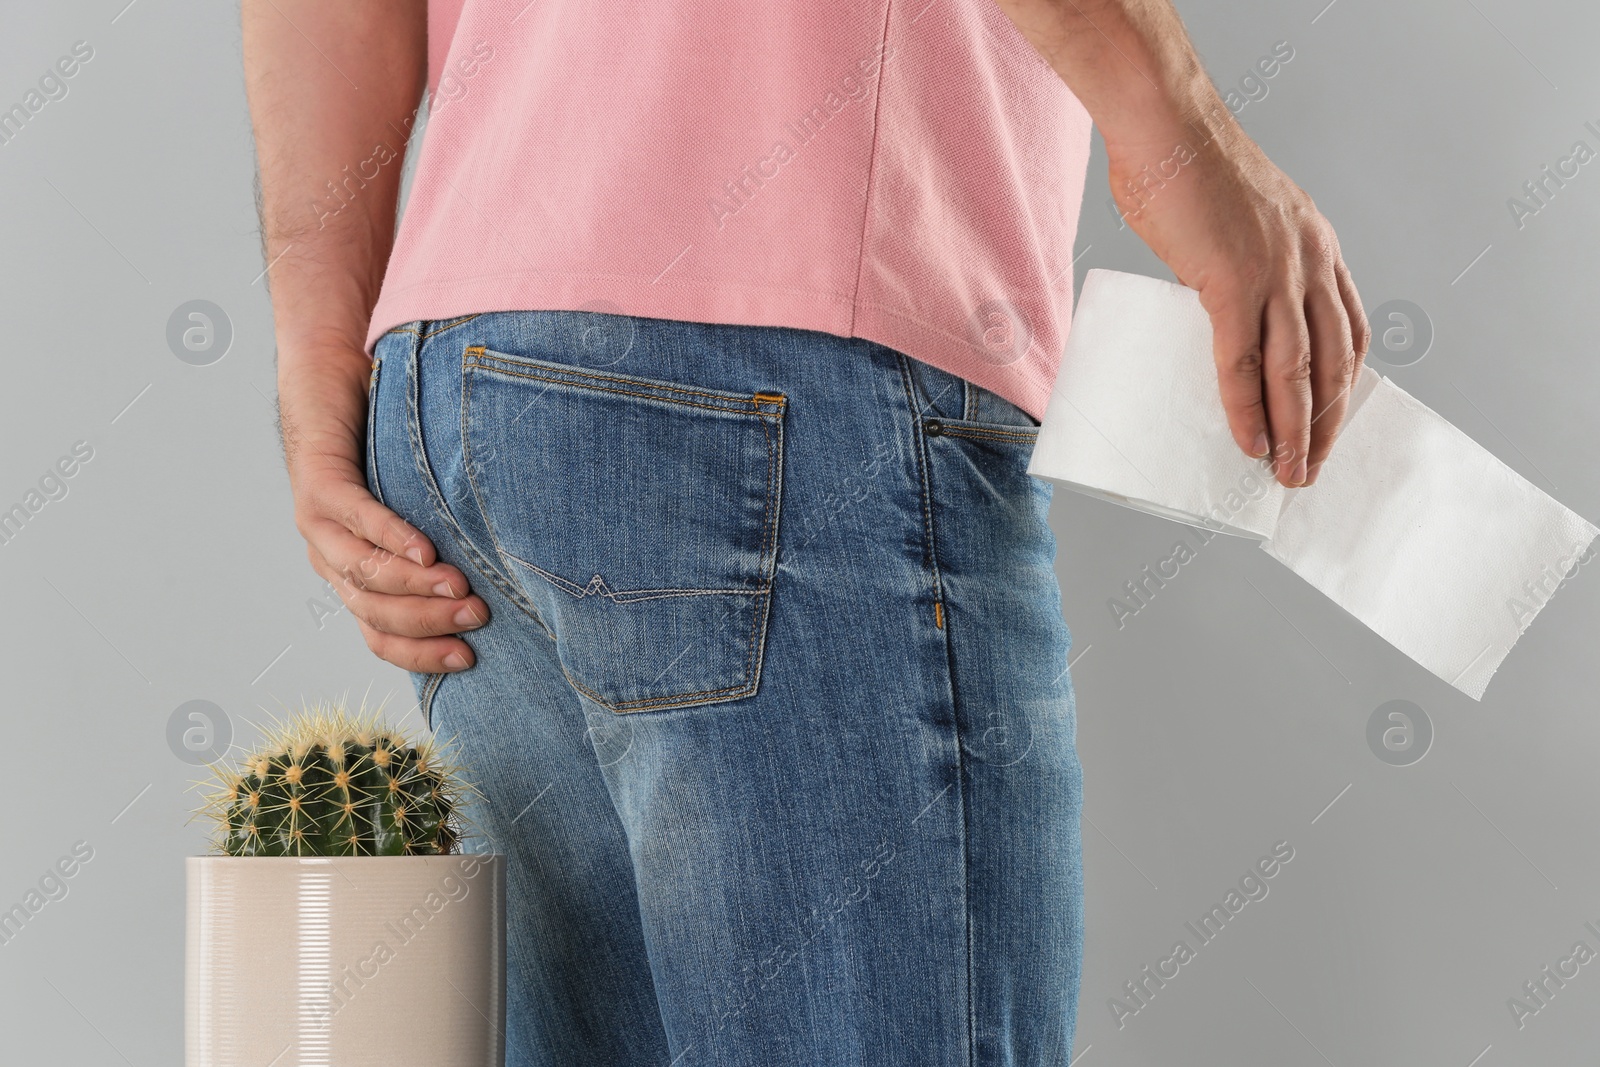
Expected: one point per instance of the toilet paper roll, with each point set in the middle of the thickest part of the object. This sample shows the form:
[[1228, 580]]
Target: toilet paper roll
[[1414, 528]]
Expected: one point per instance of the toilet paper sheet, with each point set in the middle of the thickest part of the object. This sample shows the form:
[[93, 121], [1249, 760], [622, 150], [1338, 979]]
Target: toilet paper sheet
[[1414, 528]]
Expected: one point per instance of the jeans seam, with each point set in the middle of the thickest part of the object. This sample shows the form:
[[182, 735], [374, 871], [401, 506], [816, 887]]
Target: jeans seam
[[430, 689], [435, 496], [966, 854], [373, 476], [920, 449], [452, 324]]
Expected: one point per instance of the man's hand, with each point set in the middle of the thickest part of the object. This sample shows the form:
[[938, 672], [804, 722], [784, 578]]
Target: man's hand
[[407, 603], [1289, 334], [304, 60]]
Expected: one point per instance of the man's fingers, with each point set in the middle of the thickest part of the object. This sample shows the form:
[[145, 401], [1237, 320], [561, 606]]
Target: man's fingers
[[1236, 347], [428, 655], [1286, 373], [353, 561], [352, 506], [416, 616], [400, 614], [1332, 364], [1360, 329]]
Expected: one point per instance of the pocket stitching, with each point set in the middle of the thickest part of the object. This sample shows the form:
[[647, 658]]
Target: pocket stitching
[[984, 432], [477, 356], [678, 700], [624, 596], [768, 569]]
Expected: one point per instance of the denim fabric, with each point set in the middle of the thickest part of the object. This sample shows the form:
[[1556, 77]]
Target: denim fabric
[[773, 718]]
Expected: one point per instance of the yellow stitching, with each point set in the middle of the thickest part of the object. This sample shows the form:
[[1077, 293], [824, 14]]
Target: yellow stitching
[[481, 353], [733, 407], [554, 376]]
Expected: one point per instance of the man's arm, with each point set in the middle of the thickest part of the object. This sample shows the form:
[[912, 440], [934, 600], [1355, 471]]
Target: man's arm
[[327, 84], [1289, 333]]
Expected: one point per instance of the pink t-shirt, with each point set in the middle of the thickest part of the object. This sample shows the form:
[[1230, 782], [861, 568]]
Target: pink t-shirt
[[905, 172]]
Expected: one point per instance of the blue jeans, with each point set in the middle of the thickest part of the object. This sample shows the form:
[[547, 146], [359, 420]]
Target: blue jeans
[[772, 718]]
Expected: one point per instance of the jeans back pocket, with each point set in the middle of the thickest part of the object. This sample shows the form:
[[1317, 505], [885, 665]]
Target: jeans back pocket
[[640, 515]]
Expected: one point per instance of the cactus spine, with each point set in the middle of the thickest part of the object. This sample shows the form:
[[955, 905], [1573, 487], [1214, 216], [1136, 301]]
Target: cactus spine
[[331, 783]]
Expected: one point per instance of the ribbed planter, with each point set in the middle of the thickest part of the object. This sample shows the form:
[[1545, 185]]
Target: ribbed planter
[[345, 961]]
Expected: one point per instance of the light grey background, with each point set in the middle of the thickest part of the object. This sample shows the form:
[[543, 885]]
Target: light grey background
[[1229, 714]]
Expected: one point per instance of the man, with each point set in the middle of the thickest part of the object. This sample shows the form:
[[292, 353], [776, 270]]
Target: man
[[678, 451]]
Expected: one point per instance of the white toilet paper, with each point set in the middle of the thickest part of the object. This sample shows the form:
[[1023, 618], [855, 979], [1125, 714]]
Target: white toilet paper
[[1412, 527]]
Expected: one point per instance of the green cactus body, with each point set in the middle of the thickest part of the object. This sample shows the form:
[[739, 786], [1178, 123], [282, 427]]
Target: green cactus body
[[338, 785]]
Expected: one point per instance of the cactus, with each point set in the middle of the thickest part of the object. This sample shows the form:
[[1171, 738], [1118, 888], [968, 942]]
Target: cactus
[[328, 782]]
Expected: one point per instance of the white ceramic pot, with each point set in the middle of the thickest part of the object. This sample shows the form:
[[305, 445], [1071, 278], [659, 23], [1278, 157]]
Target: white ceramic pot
[[346, 961]]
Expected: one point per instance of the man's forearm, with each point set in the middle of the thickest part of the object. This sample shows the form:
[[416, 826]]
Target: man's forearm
[[1288, 329], [332, 91], [333, 87], [1131, 65]]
